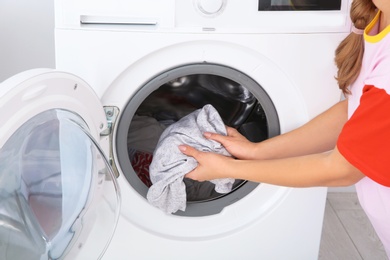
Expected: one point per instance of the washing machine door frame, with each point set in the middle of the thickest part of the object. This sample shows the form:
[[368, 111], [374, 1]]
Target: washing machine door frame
[[283, 93], [212, 205], [40, 93]]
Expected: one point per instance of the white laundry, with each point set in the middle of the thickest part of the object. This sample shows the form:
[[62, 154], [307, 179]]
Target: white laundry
[[169, 165]]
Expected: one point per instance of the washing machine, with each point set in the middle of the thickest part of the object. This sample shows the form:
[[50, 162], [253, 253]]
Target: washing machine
[[125, 70]]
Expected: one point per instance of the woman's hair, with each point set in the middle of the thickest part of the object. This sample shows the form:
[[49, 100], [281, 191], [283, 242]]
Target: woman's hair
[[349, 53]]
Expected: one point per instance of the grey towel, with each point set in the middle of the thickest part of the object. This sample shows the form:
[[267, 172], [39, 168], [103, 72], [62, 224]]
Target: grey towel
[[169, 165]]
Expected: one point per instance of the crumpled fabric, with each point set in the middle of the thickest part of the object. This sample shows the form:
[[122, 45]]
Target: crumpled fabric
[[169, 164]]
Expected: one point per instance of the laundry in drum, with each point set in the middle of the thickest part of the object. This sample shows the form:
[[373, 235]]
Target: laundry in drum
[[142, 139], [168, 167]]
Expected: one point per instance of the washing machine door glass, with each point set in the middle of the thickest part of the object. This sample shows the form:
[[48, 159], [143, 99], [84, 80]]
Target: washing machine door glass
[[54, 184]]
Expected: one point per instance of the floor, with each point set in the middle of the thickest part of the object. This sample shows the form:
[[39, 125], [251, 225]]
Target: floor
[[347, 233]]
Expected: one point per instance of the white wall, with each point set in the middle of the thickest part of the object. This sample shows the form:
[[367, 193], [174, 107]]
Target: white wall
[[26, 36]]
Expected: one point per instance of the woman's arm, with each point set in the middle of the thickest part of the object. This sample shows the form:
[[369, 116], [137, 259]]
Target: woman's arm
[[318, 135], [300, 158]]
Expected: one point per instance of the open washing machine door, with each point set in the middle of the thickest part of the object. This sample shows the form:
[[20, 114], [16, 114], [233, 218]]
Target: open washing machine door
[[58, 194]]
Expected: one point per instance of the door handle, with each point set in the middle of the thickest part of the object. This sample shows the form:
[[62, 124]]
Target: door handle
[[117, 20]]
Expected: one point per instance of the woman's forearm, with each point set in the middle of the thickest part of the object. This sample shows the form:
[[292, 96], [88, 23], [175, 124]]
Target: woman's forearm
[[324, 169], [318, 135]]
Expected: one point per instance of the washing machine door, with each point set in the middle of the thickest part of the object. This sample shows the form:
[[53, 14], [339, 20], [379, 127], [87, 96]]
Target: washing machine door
[[58, 195]]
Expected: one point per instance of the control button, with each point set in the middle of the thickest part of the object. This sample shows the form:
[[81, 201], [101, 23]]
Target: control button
[[211, 7]]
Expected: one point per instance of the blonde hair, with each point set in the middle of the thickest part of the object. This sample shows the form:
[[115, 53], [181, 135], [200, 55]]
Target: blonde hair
[[349, 53]]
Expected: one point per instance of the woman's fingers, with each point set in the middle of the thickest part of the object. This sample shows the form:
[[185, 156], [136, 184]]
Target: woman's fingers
[[188, 150]]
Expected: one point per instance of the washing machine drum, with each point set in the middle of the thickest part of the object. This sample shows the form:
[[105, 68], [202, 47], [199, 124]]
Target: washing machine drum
[[241, 102], [51, 174]]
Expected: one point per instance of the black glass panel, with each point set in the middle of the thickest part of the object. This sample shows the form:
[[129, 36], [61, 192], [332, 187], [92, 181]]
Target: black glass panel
[[299, 5]]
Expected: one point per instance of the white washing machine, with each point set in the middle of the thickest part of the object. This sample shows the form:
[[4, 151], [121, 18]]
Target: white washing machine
[[266, 66]]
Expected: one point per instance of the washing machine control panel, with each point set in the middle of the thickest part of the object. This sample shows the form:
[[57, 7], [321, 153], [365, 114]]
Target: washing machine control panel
[[210, 7], [210, 16], [262, 16]]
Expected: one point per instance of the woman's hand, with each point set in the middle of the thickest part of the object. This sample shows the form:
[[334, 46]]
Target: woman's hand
[[211, 166], [235, 143]]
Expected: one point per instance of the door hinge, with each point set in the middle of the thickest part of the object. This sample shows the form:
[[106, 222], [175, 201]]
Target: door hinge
[[111, 115]]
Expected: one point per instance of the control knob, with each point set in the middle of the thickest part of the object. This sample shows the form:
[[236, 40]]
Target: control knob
[[210, 7]]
